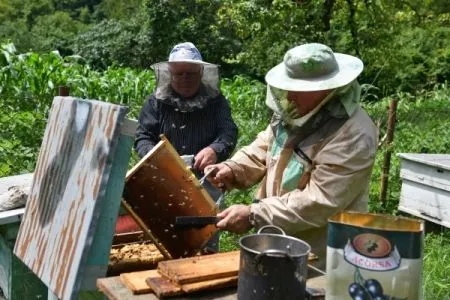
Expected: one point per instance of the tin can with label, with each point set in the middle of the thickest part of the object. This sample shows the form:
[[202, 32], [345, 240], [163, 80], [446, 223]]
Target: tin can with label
[[373, 256]]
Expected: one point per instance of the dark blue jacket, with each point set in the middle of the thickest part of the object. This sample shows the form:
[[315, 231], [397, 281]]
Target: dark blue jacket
[[188, 132]]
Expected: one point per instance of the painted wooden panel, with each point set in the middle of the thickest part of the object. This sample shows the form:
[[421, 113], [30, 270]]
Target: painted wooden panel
[[11, 216], [98, 258], [437, 160], [425, 202], [425, 189], [69, 183], [425, 174]]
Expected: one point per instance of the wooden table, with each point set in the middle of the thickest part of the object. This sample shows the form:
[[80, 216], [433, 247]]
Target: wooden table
[[114, 289]]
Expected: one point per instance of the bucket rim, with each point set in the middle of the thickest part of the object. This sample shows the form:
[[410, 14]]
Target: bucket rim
[[297, 240]]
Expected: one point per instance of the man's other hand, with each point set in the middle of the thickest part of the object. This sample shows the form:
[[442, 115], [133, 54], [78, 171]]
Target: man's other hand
[[207, 156]]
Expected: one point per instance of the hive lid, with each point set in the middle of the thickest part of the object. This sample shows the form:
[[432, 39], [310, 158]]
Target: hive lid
[[435, 160]]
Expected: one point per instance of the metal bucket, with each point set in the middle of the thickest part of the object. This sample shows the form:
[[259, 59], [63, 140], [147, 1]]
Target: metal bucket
[[272, 266]]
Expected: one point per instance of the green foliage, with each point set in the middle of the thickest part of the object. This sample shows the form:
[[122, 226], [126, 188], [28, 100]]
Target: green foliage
[[436, 270], [65, 29], [124, 10], [265, 30], [402, 43], [247, 99], [43, 25], [170, 22], [109, 42]]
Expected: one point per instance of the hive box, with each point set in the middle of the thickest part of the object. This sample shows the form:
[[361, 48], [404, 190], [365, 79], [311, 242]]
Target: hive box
[[425, 191]]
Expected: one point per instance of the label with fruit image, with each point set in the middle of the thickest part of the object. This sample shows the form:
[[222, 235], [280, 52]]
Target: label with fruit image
[[370, 289], [374, 257], [372, 252]]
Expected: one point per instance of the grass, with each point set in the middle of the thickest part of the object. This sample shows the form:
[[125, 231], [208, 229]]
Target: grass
[[436, 271]]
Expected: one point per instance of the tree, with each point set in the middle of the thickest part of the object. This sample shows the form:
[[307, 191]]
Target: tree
[[170, 22], [110, 42]]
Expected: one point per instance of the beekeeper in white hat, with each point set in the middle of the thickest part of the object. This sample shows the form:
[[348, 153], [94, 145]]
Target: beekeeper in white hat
[[188, 107], [316, 156]]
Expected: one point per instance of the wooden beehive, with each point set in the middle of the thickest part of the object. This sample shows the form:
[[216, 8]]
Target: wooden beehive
[[132, 252], [425, 191]]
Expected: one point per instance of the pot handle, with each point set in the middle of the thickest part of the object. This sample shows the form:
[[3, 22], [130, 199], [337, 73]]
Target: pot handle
[[261, 230], [272, 251]]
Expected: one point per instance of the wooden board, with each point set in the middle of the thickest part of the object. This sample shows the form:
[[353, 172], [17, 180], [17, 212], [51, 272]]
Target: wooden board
[[160, 188], [11, 216], [425, 191], [201, 268], [425, 202], [114, 289], [135, 281], [430, 173], [163, 287], [209, 284], [436, 160], [69, 182]]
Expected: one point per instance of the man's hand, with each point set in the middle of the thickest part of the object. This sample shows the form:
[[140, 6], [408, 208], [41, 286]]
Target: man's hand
[[223, 176], [207, 156], [235, 219]]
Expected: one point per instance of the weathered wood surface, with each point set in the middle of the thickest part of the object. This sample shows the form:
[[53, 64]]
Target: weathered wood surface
[[201, 268], [72, 170], [436, 160], [11, 216], [98, 257], [163, 287], [209, 284], [425, 202], [425, 191], [160, 188], [433, 173], [135, 281], [114, 289]]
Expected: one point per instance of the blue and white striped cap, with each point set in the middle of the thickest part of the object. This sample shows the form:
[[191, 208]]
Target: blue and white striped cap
[[186, 52]]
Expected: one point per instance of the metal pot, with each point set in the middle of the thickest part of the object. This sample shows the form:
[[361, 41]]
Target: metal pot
[[272, 266]]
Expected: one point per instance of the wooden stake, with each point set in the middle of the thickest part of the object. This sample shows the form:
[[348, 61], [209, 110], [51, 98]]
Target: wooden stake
[[63, 91], [387, 154]]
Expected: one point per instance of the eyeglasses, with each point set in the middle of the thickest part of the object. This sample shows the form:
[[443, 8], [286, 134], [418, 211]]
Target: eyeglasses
[[185, 75]]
